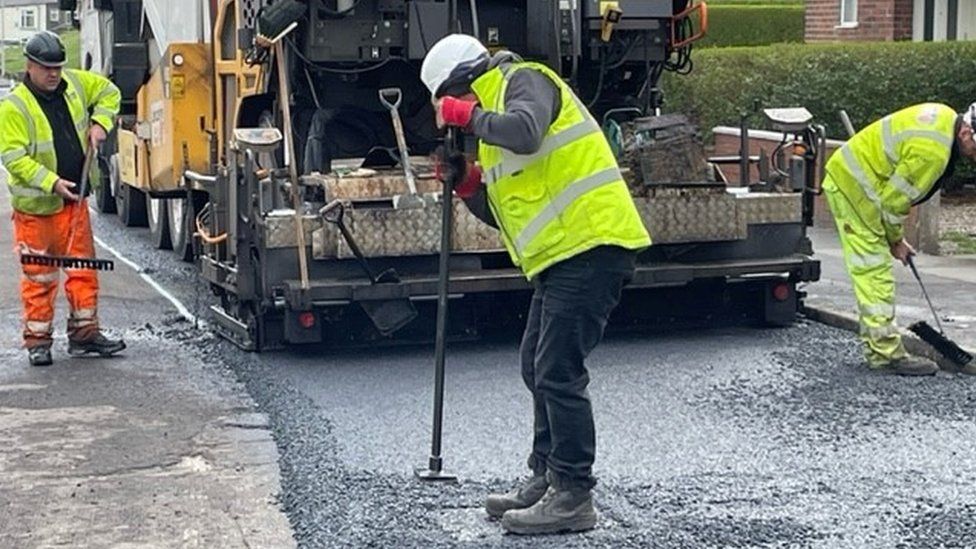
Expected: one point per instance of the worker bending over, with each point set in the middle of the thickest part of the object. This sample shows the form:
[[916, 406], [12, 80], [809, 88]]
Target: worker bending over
[[871, 184], [549, 181]]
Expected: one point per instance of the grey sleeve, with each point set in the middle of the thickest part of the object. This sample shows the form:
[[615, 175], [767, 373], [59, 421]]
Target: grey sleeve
[[531, 105]]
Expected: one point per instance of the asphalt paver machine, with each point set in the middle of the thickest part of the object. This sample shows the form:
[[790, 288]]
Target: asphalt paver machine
[[276, 166]]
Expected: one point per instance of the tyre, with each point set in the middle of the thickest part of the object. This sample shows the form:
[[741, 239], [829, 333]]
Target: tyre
[[180, 215], [130, 202], [157, 213], [104, 199]]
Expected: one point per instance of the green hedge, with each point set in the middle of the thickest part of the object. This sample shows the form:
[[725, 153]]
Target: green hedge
[[753, 25], [712, 3], [868, 80]]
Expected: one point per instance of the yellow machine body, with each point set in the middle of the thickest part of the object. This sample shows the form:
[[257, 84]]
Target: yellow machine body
[[174, 114]]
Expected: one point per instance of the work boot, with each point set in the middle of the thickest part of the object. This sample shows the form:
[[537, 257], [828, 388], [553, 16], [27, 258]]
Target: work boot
[[520, 497], [40, 356], [98, 344], [911, 366], [559, 510]]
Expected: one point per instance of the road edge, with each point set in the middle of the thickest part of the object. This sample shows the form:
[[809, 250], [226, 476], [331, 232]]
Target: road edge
[[848, 322]]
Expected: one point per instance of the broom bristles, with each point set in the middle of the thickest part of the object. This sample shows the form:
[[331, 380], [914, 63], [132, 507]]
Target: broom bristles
[[943, 345]]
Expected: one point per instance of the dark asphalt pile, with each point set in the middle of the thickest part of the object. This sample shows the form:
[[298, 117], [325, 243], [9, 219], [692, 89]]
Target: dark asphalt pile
[[729, 437], [809, 405]]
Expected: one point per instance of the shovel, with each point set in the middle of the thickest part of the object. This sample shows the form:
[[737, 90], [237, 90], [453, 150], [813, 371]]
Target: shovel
[[388, 315], [391, 99]]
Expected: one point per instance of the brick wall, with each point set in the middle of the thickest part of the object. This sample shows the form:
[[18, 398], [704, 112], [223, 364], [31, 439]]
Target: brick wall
[[882, 20], [727, 143]]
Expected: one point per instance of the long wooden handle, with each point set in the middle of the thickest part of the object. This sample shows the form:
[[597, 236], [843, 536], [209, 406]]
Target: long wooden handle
[[285, 99], [82, 189]]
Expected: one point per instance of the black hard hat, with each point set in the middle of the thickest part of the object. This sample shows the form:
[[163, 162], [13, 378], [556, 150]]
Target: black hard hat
[[46, 48]]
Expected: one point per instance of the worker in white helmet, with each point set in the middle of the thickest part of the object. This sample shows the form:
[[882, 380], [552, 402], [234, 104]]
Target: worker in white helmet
[[549, 181]]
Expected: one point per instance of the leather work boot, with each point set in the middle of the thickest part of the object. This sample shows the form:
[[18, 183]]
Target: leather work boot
[[99, 344], [40, 356], [557, 511], [912, 366], [520, 497]]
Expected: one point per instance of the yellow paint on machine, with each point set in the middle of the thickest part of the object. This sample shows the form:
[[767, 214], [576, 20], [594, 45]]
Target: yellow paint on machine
[[131, 154], [174, 110]]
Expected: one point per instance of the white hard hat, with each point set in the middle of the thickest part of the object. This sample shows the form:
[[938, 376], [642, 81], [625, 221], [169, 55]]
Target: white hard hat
[[448, 54]]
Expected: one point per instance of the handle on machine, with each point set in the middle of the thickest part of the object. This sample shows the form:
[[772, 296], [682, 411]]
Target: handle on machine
[[702, 9]]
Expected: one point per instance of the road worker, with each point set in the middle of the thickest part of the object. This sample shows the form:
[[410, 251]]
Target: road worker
[[546, 177], [47, 124], [871, 184]]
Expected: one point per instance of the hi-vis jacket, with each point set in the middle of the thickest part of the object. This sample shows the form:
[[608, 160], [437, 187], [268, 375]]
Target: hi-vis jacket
[[27, 142], [893, 164], [564, 199]]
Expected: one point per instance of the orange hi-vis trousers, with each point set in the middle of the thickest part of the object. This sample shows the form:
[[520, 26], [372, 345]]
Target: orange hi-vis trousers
[[39, 284]]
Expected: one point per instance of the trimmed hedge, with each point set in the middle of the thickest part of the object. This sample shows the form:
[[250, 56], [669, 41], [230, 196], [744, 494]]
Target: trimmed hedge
[[867, 80], [712, 3], [753, 25]]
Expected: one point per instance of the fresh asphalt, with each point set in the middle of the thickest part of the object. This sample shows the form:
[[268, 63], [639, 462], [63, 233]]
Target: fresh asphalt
[[725, 437]]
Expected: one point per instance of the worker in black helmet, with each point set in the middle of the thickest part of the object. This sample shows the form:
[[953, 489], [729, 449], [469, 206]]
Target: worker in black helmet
[[47, 124]]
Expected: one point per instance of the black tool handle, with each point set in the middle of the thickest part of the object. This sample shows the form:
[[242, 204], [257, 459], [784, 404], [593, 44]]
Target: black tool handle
[[935, 315], [334, 212], [82, 189], [443, 282]]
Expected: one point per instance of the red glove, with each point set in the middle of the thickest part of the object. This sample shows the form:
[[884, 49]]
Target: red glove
[[472, 180], [457, 112], [464, 177]]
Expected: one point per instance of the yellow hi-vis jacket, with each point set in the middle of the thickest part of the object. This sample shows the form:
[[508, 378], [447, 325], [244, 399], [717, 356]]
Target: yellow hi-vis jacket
[[566, 198], [27, 142], [894, 163]]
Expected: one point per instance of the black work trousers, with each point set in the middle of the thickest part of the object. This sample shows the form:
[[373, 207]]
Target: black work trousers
[[572, 301]]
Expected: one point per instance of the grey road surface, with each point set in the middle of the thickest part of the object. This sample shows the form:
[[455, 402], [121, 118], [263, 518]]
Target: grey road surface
[[725, 437]]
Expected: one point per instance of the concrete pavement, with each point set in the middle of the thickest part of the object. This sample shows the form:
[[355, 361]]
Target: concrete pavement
[[153, 449], [950, 281]]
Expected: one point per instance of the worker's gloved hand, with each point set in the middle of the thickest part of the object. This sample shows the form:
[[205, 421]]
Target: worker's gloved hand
[[463, 176], [452, 111]]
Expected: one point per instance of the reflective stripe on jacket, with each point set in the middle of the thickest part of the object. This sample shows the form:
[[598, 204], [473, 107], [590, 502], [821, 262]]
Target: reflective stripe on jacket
[[893, 163], [566, 198], [27, 142]]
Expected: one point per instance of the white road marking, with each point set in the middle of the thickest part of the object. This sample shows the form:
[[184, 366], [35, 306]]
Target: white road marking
[[180, 307]]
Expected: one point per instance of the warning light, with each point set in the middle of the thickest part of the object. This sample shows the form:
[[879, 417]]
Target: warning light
[[781, 291], [306, 319]]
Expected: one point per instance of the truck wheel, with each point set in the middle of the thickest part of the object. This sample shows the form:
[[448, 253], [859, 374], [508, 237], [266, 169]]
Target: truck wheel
[[180, 214], [157, 211], [104, 200], [129, 201]]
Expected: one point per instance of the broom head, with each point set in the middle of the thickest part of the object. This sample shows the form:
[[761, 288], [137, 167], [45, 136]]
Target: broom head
[[941, 343]]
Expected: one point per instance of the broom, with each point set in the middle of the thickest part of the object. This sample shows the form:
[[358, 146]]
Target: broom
[[937, 339], [67, 262]]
